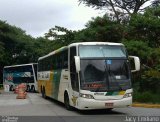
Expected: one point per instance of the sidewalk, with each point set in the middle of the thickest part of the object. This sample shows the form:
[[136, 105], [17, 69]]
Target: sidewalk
[[145, 105]]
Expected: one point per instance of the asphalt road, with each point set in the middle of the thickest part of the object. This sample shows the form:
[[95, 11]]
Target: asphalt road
[[37, 109]]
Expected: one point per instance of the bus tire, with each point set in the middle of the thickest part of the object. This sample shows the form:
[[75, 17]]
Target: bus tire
[[28, 88], [66, 101], [33, 89], [43, 93], [11, 88]]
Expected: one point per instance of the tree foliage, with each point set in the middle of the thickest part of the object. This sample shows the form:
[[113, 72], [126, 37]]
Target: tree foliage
[[146, 27], [101, 29], [120, 8], [60, 35]]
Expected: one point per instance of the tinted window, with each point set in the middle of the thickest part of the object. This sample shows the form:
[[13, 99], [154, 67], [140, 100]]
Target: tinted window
[[105, 75], [73, 73], [101, 51], [54, 62]]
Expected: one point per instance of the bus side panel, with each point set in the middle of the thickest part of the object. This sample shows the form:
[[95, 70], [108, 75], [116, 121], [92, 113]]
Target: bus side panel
[[64, 84], [45, 82], [39, 82], [55, 83], [49, 85], [50, 80]]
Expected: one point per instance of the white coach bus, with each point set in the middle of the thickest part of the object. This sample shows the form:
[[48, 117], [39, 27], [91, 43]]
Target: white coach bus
[[23, 73], [88, 75]]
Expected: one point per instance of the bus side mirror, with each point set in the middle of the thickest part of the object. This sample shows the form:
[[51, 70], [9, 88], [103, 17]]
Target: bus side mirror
[[77, 63], [135, 63]]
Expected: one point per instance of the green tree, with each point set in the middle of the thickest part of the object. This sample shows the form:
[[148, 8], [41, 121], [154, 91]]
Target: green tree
[[146, 27], [60, 35], [119, 8], [101, 29], [140, 49]]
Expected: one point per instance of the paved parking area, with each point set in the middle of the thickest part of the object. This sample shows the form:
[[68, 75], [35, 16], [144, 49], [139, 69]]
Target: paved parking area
[[34, 105]]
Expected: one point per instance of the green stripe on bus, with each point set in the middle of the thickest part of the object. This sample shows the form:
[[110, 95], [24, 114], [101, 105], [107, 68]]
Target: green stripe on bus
[[115, 93], [109, 93], [56, 82]]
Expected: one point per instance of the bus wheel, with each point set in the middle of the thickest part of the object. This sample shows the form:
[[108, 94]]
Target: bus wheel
[[32, 89], [28, 88], [66, 102], [11, 88]]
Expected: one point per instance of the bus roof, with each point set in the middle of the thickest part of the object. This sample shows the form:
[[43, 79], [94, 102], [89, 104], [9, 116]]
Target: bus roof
[[94, 43], [19, 65], [54, 52], [79, 43]]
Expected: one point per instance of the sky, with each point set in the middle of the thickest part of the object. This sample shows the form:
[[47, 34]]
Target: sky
[[36, 17]]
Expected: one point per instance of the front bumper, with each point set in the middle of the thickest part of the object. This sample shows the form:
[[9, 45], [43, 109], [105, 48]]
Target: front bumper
[[88, 104]]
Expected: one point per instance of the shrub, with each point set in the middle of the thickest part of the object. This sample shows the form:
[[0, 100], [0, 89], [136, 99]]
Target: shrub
[[146, 97]]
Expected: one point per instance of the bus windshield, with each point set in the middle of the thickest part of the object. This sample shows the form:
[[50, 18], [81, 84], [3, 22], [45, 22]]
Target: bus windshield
[[109, 73]]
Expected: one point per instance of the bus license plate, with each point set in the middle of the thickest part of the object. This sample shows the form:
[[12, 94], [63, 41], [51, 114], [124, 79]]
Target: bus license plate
[[109, 105]]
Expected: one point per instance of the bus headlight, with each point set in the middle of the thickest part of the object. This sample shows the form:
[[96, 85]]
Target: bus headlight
[[88, 96], [127, 95]]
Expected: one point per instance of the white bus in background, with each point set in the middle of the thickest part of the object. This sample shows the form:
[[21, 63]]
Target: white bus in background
[[88, 75], [23, 73]]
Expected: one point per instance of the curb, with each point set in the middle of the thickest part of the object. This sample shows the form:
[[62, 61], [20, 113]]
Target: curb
[[146, 105]]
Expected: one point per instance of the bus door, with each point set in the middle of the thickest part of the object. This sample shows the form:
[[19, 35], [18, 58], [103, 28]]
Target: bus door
[[74, 77]]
